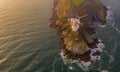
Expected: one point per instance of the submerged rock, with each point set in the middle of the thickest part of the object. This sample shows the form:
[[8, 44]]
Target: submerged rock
[[75, 21]]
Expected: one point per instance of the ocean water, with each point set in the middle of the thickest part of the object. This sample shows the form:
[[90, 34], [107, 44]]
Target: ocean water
[[27, 44]]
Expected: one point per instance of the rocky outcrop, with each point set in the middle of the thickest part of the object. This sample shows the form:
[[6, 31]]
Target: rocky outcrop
[[78, 45]]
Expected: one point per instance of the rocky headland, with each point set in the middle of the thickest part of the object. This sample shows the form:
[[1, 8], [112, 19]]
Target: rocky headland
[[76, 22]]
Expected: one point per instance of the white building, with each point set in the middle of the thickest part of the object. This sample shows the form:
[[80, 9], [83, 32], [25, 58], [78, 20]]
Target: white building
[[75, 24]]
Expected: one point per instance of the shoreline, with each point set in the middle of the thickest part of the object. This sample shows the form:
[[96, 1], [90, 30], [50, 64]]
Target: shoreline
[[68, 54]]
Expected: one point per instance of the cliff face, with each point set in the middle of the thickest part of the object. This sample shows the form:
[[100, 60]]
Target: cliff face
[[75, 21]]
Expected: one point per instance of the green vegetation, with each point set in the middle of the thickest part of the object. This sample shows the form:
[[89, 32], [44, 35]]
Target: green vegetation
[[77, 2], [64, 5]]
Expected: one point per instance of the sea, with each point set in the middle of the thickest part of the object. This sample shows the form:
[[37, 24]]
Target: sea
[[27, 44]]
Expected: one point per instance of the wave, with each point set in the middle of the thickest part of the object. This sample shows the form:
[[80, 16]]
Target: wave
[[110, 19], [104, 71], [70, 61], [110, 22]]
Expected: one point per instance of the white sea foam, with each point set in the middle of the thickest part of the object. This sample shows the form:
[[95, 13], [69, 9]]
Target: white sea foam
[[99, 40], [110, 56], [96, 49], [103, 26], [104, 71], [86, 64], [110, 19], [116, 29], [101, 45], [74, 61], [61, 54], [93, 50], [100, 48], [94, 58], [98, 24], [71, 68], [83, 65]]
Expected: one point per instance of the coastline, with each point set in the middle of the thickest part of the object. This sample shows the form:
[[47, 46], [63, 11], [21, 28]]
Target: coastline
[[60, 28]]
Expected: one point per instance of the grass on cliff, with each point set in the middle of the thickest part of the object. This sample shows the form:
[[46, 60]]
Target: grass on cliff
[[65, 5], [77, 2]]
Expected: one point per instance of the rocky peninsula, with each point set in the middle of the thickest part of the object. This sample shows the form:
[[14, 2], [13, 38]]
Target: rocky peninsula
[[76, 22]]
